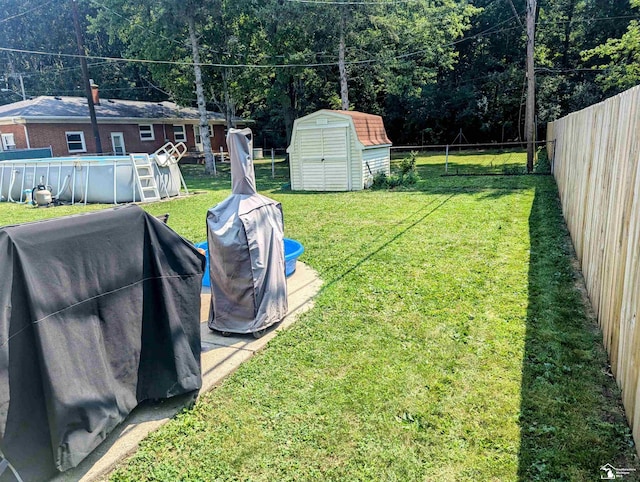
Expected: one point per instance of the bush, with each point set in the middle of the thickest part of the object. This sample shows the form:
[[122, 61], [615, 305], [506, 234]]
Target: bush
[[513, 170], [410, 178], [407, 175], [380, 181], [544, 163], [394, 181], [408, 164]]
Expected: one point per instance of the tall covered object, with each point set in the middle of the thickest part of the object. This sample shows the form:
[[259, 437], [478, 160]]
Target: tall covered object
[[245, 233]]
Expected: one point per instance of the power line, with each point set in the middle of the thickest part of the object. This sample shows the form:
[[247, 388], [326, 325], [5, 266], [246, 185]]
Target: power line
[[105, 59], [587, 19], [258, 66], [59, 70], [25, 12], [100, 5], [562, 71], [164, 62], [490, 30], [154, 86], [107, 89]]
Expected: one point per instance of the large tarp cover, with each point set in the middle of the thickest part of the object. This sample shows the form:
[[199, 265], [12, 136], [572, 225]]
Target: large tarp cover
[[98, 312], [245, 233]]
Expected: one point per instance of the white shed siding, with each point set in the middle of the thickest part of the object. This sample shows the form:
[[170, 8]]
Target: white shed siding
[[335, 158], [378, 159], [321, 160], [356, 162], [326, 154]]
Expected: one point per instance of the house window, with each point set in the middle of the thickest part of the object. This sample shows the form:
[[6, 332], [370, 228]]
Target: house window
[[179, 134], [75, 142], [8, 142], [198, 137], [146, 132]]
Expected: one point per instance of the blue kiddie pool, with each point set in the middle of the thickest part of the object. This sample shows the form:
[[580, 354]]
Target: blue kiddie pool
[[205, 279], [292, 251]]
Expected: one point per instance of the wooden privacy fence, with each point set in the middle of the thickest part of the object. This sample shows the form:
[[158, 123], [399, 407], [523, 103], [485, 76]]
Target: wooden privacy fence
[[596, 163]]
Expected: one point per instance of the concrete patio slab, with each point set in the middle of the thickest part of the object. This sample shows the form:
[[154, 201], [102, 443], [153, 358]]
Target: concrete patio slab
[[221, 356]]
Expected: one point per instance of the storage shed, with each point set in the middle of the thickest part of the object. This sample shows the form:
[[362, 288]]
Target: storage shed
[[336, 150]]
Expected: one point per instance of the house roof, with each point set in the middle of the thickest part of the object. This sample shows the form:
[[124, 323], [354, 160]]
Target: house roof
[[369, 127], [47, 107]]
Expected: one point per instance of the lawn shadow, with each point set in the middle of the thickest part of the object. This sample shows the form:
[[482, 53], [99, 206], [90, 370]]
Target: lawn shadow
[[429, 210], [571, 418]]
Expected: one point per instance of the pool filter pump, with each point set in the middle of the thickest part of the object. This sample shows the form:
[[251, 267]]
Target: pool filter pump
[[41, 196]]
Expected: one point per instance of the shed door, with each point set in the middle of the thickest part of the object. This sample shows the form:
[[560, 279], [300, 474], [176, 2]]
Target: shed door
[[324, 159]]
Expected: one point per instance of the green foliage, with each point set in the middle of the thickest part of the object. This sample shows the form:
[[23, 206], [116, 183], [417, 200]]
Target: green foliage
[[407, 61], [408, 164], [622, 70], [513, 170], [406, 175], [543, 163], [380, 181]]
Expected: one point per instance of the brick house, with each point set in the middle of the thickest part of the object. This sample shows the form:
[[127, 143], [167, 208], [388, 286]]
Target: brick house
[[125, 126]]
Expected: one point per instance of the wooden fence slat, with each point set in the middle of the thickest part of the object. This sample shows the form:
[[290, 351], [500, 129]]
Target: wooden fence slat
[[596, 164]]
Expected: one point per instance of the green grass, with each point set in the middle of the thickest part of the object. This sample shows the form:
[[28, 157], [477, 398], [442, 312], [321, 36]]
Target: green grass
[[487, 161], [449, 342]]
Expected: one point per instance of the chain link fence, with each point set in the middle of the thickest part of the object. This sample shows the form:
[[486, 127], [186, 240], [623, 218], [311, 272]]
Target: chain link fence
[[477, 159]]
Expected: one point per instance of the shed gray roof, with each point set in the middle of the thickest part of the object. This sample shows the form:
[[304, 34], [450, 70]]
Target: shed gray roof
[[76, 107]]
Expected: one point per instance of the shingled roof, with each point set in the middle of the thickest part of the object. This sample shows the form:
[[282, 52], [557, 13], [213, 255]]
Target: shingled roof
[[76, 107], [369, 128]]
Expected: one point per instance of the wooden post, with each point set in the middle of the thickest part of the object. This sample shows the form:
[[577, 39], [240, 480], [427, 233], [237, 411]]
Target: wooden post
[[446, 160], [85, 75], [531, 84], [273, 163], [342, 68]]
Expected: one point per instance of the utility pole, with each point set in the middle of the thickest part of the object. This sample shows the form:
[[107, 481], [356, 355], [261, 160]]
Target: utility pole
[[24, 97], [344, 85], [531, 84], [12, 74], [7, 89], [85, 75]]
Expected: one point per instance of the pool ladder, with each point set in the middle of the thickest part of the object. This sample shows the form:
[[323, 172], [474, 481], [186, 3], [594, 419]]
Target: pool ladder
[[143, 172]]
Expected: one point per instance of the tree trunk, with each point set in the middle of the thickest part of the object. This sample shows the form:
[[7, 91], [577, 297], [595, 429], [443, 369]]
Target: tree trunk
[[85, 77], [531, 84], [229, 107], [289, 108], [209, 161], [344, 86]]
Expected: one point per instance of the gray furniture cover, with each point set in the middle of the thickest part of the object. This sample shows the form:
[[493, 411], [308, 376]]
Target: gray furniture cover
[[246, 253], [98, 312]]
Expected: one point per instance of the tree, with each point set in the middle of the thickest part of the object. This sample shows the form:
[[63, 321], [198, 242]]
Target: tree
[[566, 79], [622, 70], [372, 56], [165, 28]]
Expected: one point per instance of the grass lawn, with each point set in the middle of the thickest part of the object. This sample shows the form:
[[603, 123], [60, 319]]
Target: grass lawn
[[449, 342]]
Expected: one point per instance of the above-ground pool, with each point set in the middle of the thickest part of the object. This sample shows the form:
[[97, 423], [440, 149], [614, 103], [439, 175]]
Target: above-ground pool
[[292, 251], [93, 179]]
